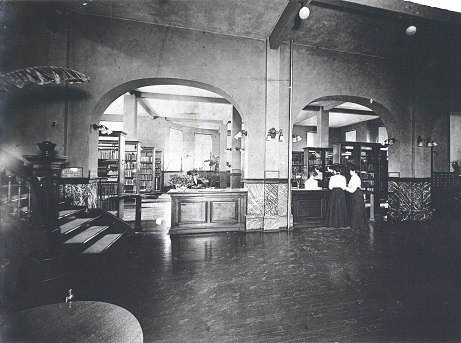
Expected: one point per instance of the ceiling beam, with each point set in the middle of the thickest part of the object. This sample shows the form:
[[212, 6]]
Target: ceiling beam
[[148, 108], [112, 117], [185, 120], [285, 23], [341, 110], [203, 124], [395, 9], [179, 97], [305, 114], [332, 104]]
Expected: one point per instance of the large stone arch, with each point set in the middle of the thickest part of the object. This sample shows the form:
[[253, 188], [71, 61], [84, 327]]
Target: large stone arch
[[121, 89], [112, 94], [390, 121], [388, 118]]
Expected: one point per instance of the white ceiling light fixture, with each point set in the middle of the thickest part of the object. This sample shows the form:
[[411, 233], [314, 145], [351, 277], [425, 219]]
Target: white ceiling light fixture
[[304, 12], [411, 30]]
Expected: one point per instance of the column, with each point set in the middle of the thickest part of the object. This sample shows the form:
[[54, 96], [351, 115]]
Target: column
[[130, 116], [323, 128], [236, 164], [222, 154]]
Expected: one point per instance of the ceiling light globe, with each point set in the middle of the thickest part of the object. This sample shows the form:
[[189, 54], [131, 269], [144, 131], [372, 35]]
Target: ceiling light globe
[[304, 13], [410, 31]]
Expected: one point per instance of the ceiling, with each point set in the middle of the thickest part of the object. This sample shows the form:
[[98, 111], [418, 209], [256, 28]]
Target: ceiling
[[364, 27], [342, 114], [188, 106], [374, 28]]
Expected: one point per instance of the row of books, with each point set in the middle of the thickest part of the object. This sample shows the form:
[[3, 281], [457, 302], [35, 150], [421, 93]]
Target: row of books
[[108, 154]]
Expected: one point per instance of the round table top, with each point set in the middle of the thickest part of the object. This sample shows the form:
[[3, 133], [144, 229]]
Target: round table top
[[79, 321]]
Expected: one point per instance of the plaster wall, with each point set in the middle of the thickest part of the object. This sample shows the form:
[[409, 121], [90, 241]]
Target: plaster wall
[[116, 53], [319, 73], [366, 131], [26, 114], [155, 133], [455, 137], [442, 150]]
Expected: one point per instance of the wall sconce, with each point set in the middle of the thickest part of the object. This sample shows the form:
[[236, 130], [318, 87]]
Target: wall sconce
[[240, 134], [431, 143], [230, 149], [388, 142], [101, 128], [272, 133], [296, 138], [239, 149], [420, 140]]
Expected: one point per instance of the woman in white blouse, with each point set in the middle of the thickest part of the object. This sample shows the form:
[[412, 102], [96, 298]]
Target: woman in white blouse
[[358, 218], [336, 214]]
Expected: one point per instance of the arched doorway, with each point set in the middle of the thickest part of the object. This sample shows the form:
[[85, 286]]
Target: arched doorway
[[188, 126], [346, 131]]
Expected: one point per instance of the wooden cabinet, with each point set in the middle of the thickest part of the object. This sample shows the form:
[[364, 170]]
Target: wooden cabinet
[[132, 166], [207, 210], [146, 171], [309, 207], [111, 164]]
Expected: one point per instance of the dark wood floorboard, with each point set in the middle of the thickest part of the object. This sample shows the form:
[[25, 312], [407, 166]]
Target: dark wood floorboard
[[396, 283]]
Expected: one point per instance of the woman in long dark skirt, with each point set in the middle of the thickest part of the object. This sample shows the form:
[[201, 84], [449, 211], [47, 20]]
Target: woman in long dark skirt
[[336, 214], [358, 218]]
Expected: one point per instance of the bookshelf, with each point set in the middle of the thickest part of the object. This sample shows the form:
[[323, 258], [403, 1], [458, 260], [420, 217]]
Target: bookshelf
[[297, 167], [321, 158], [158, 171], [297, 162], [146, 171], [111, 163], [371, 160], [132, 166]]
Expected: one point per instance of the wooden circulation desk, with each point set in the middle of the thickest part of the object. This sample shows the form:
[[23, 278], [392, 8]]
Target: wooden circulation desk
[[207, 210], [309, 207]]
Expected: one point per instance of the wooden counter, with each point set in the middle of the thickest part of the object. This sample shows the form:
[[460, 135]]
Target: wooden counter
[[207, 210], [309, 207]]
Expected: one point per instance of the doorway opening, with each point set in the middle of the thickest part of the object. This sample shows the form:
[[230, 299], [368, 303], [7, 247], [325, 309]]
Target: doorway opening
[[162, 133], [343, 133]]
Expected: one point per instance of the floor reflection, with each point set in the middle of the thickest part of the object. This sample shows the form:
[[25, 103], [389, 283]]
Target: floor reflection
[[397, 282]]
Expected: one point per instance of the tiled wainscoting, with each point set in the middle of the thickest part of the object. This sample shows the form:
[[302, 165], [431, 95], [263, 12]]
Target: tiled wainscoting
[[267, 205], [409, 199]]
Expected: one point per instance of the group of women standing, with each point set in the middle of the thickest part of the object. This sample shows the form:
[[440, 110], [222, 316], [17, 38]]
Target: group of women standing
[[341, 212]]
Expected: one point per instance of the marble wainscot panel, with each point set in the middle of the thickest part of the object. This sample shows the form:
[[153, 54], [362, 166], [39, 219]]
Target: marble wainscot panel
[[80, 194], [267, 205], [409, 199], [255, 206]]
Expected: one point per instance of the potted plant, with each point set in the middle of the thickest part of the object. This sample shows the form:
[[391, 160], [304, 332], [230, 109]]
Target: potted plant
[[213, 162], [181, 181]]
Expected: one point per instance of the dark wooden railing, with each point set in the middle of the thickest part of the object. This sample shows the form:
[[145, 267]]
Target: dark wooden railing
[[15, 185]]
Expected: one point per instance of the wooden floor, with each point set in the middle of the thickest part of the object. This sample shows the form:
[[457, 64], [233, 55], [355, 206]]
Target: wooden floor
[[395, 283]]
